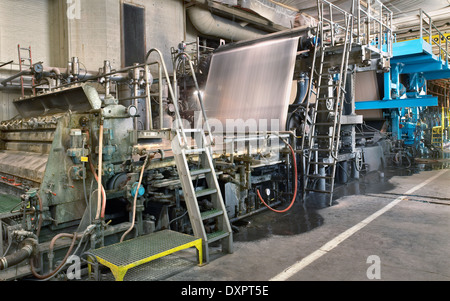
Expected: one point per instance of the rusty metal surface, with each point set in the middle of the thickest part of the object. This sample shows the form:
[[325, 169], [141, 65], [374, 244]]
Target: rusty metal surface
[[79, 98], [26, 165]]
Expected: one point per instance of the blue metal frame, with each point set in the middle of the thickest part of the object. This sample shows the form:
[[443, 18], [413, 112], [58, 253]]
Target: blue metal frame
[[422, 101], [415, 58]]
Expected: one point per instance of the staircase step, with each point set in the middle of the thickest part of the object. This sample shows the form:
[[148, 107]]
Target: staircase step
[[319, 177], [321, 136], [324, 123], [211, 213], [215, 236], [322, 163], [205, 192], [325, 98], [325, 111], [192, 130], [194, 151], [320, 150], [202, 171], [317, 190]]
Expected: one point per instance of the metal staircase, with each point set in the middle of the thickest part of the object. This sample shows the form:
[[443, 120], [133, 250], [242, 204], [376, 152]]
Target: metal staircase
[[329, 69], [216, 214], [188, 143]]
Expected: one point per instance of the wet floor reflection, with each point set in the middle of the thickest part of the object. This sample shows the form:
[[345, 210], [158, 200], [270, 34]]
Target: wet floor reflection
[[299, 219], [304, 217]]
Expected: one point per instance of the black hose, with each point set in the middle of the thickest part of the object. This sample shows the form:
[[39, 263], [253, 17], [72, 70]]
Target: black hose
[[302, 89], [16, 258]]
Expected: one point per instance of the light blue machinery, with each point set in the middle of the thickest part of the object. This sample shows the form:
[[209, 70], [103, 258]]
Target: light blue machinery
[[413, 63]]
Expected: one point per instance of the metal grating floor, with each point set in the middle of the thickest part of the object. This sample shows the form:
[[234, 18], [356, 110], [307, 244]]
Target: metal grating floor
[[156, 270], [133, 253], [130, 251], [7, 203]]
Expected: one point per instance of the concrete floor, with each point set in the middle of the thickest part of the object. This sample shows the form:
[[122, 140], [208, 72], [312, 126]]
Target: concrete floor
[[411, 239]]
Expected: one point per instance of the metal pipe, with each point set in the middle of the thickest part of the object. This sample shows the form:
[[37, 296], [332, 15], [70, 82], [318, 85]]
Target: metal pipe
[[135, 92], [253, 212], [160, 95], [21, 73], [212, 25], [290, 33], [199, 94], [7, 63], [148, 116], [166, 74], [123, 70]]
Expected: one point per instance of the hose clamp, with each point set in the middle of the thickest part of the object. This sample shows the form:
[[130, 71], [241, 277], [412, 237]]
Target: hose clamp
[[4, 263]]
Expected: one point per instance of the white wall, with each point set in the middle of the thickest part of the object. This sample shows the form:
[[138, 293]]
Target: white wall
[[93, 38], [24, 22], [96, 36]]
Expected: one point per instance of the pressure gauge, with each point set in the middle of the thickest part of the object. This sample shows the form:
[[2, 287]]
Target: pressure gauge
[[38, 68], [132, 111]]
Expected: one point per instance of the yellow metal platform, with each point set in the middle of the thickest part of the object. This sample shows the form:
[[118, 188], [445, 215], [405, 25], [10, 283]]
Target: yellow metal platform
[[121, 257]]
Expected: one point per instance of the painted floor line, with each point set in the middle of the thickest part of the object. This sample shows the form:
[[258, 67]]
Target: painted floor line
[[299, 265]]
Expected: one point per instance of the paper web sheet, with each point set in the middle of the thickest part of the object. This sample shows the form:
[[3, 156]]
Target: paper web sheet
[[252, 83]]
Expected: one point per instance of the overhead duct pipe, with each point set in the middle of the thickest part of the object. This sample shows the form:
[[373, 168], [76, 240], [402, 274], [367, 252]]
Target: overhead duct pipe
[[211, 25]]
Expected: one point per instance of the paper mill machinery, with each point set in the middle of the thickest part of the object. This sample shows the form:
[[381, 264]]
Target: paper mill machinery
[[87, 161], [136, 154]]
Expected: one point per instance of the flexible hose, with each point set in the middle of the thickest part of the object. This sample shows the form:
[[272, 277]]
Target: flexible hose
[[101, 198], [16, 258], [135, 199], [101, 204], [99, 179], [295, 185], [41, 218], [33, 269]]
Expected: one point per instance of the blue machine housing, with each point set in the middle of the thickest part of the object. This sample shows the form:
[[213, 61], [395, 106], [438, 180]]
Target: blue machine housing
[[405, 87]]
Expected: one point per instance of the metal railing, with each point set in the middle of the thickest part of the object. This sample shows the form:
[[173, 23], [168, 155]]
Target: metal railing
[[429, 32], [333, 19], [372, 25]]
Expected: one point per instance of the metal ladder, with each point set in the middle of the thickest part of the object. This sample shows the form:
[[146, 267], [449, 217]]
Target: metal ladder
[[21, 64], [217, 212], [183, 148], [321, 146]]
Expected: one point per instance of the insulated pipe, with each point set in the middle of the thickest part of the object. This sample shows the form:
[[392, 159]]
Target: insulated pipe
[[21, 73], [55, 71], [207, 23]]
